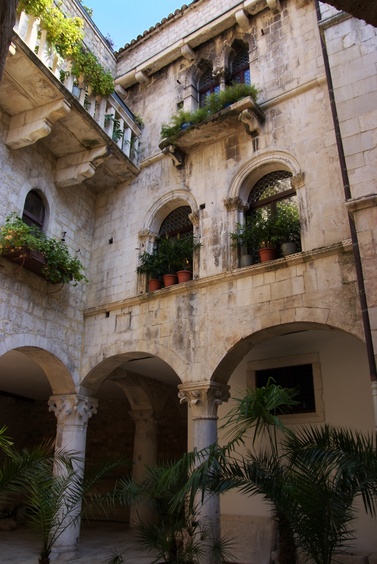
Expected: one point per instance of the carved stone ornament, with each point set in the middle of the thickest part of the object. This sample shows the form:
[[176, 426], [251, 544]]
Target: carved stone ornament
[[203, 398], [236, 203], [147, 235], [73, 409], [298, 181]]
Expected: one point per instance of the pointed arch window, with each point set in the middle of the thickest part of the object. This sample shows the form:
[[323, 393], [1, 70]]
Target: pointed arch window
[[208, 84], [240, 71]]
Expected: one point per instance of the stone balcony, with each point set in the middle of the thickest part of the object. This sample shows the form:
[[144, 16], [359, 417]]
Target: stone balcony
[[94, 138], [215, 127]]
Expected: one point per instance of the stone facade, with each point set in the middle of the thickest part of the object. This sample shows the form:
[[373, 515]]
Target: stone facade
[[137, 357]]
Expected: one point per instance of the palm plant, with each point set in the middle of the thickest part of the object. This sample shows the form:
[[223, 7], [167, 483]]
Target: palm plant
[[174, 533], [312, 478], [51, 487]]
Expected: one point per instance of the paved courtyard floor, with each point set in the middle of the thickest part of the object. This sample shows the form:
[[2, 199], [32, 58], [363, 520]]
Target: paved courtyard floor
[[98, 541]]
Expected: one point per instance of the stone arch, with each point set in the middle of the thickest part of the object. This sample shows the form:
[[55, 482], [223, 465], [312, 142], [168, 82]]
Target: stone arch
[[109, 358], [258, 167], [236, 353], [166, 204], [49, 356], [41, 186]]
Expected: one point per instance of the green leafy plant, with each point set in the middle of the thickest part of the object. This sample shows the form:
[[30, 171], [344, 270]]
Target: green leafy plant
[[213, 104], [244, 236], [60, 265], [288, 222], [151, 264], [117, 131], [176, 252], [265, 229], [66, 35]]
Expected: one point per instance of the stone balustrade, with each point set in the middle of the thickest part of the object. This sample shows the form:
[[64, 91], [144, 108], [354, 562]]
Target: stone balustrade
[[109, 112]]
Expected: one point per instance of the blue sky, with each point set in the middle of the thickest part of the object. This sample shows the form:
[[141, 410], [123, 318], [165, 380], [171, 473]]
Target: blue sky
[[124, 20]]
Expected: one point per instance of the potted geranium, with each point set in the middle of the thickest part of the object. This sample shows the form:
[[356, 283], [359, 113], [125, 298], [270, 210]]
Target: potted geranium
[[31, 248]]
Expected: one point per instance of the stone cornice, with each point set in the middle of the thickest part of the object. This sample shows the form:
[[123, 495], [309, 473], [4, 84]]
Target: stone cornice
[[223, 277]]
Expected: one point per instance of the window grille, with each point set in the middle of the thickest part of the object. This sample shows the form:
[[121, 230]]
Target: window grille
[[177, 222], [208, 84], [240, 66]]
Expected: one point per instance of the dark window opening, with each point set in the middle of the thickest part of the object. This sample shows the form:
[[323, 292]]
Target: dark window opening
[[240, 71], [34, 210], [299, 377], [208, 84]]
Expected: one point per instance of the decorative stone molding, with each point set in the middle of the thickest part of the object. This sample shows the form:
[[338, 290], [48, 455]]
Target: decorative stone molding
[[203, 398], [251, 121], [194, 218], [236, 203], [362, 203], [176, 155], [147, 235], [274, 5], [73, 409], [28, 127], [298, 181]]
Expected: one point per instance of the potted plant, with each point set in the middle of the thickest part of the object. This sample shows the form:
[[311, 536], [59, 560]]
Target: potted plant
[[150, 264], [288, 225], [245, 239], [185, 247], [167, 251], [267, 235], [28, 246]]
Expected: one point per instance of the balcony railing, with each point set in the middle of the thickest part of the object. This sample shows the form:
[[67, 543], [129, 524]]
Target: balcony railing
[[109, 112]]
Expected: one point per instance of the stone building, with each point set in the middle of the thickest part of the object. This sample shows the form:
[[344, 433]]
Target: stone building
[[117, 364]]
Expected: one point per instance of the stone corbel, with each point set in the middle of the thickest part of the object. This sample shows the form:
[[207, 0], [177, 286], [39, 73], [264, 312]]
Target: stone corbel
[[176, 155], [75, 168], [274, 5], [243, 20], [188, 53], [141, 77], [251, 121], [28, 127]]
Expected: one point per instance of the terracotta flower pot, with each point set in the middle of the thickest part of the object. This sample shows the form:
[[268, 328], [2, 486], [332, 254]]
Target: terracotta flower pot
[[267, 253], [184, 275], [169, 280], [154, 284]]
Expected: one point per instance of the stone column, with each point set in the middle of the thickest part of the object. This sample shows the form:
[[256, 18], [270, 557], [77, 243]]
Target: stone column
[[73, 413], [145, 454], [203, 398]]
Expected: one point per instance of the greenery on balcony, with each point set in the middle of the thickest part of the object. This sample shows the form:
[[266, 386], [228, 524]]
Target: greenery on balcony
[[17, 239], [66, 35], [183, 120]]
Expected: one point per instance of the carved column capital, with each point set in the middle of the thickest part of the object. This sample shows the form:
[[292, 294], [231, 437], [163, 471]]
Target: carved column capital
[[147, 235], [203, 398], [236, 203], [194, 218], [73, 409], [298, 181]]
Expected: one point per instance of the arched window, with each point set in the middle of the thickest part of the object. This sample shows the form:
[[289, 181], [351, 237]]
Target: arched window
[[240, 71], [34, 210], [208, 84], [177, 222], [273, 197]]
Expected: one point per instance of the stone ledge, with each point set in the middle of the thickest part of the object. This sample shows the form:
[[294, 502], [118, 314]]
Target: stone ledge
[[198, 283]]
